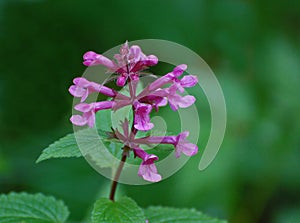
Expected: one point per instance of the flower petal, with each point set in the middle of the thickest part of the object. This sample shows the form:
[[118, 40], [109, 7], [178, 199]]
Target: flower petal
[[91, 59], [78, 120], [77, 91], [149, 172], [186, 101], [91, 118], [80, 81], [178, 70], [189, 81], [142, 118], [84, 107]]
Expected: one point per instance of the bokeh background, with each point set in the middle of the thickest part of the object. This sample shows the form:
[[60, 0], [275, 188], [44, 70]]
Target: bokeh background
[[253, 48]]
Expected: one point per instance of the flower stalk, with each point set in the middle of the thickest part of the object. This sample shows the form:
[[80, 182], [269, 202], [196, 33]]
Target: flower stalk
[[118, 173]]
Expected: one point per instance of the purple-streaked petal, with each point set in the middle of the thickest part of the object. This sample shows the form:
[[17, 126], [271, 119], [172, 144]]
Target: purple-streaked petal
[[84, 107], [178, 70], [187, 148], [177, 101], [183, 135], [163, 102], [91, 118], [189, 81], [135, 53], [142, 118], [85, 95], [77, 91], [184, 146], [80, 81], [186, 101], [190, 149], [91, 59], [151, 60], [143, 126], [149, 172], [78, 120]]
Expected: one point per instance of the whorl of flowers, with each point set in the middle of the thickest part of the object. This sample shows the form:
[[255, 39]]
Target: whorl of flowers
[[128, 65]]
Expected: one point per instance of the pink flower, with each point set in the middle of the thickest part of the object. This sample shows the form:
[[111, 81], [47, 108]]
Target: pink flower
[[91, 58], [172, 77], [147, 168], [130, 61], [188, 81], [155, 101], [168, 78], [82, 88], [184, 146], [181, 144], [177, 101], [89, 110], [141, 117]]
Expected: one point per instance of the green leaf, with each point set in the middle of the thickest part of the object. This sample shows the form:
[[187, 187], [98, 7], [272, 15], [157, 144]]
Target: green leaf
[[175, 215], [67, 146], [123, 211], [64, 147], [28, 208]]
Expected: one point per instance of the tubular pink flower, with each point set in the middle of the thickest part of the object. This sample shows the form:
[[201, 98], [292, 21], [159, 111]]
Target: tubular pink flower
[[89, 110], [181, 144], [155, 101], [82, 88], [141, 117], [178, 70], [147, 168], [177, 101], [184, 146], [171, 77], [189, 81], [139, 60], [130, 61], [92, 59], [186, 81]]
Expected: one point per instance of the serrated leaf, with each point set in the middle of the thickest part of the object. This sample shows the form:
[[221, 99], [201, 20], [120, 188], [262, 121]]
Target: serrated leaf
[[175, 215], [31, 208], [123, 211], [63, 148], [67, 146]]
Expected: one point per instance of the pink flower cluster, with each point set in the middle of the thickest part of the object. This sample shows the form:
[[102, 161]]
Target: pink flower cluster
[[165, 90]]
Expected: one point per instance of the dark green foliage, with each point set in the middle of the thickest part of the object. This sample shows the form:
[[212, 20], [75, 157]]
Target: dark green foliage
[[27, 208]]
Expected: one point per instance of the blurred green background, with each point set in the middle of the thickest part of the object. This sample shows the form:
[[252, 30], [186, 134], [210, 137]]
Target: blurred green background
[[253, 48]]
